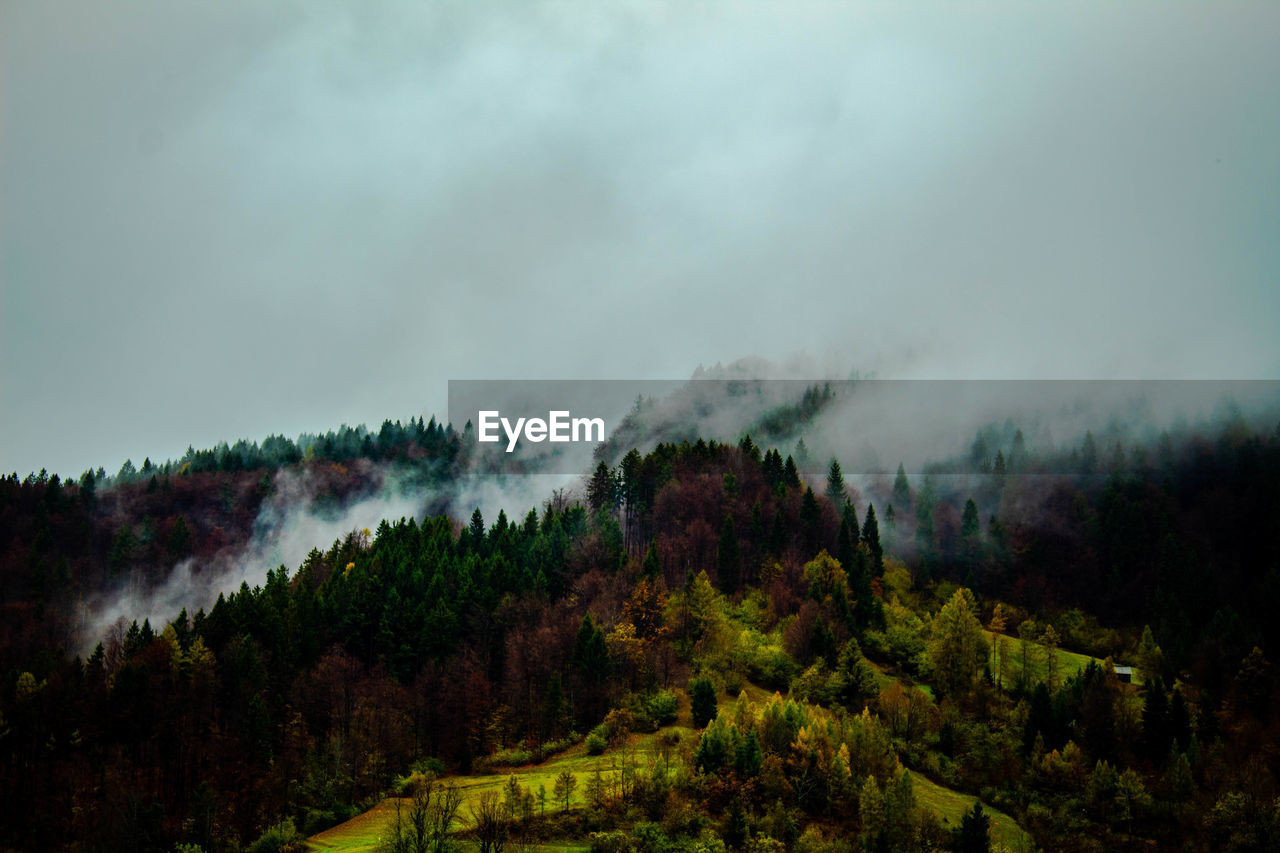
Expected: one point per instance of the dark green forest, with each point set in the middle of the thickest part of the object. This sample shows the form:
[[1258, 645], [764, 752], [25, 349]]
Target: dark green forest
[[829, 644]]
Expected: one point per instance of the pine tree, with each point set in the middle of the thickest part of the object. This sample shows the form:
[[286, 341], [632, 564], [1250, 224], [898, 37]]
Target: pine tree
[[602, 489], [651, 566], [773, 467], [1156, 734], [590, 655], [702, 696], [748, 757], [969, 524], [849, 518], [810, 520], [1039, 719], [902, 488], [854, 561], [565, 785], [844, 546], [180, 539], [835, 485], [476, 531], [791, 474], [925, 501], [778, 538], [802, 453], [974, 835], [1089, 454], [871, 536], [736, 826]]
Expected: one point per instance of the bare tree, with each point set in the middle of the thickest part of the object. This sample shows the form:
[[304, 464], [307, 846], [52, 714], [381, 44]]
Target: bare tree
[[490, 819], [423, 826]]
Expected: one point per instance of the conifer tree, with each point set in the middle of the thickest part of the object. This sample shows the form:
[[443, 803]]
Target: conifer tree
[[974, 833], [652, 565], [810, 519], [902, 488], [791, 474], [602, 489], [702, 695], [835, 485], [871, 536]]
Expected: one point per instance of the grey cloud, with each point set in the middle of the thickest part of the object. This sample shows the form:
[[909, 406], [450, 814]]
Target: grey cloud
[[225, 220]]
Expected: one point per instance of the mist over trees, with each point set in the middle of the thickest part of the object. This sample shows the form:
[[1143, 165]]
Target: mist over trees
[[928, 641]]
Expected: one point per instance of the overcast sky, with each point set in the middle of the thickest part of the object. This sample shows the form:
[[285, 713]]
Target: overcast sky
[[223, 220]]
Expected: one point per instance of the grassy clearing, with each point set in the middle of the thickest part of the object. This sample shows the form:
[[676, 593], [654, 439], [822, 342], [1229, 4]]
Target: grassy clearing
[[361, 834], [885, 679], [358, 835], [1068, 662], [950, 807]]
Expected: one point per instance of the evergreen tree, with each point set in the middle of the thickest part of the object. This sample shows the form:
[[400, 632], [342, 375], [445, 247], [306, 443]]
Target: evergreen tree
[[974, 833], [810, 520], [476, 531], [1040, 721], [602, 489], [871, 536], [791, 474], [773, 471], [590, 655], [748, 758], [651, 567], [778, 533], [702, 696], [849, 518], [835, 485], [844, 546], [736, 827], [1089, 454], [1156, 734], [969, 524], [822, 645], [802, 453], [180, 539], [925, 502], [902, 488], [1018, 455]]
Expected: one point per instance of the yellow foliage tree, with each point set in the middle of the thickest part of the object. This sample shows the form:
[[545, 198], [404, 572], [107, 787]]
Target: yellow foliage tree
[[958, 647]]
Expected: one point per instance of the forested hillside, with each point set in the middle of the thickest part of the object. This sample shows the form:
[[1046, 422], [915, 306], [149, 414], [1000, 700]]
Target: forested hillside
[[799, 662]]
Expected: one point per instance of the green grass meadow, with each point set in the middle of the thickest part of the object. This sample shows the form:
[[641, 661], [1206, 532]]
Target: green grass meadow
[[362, 833]]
